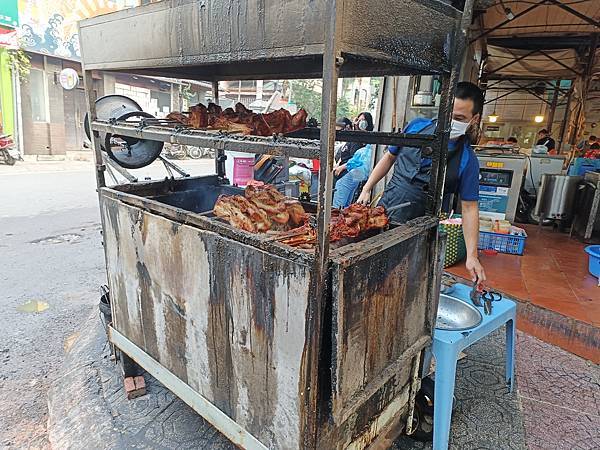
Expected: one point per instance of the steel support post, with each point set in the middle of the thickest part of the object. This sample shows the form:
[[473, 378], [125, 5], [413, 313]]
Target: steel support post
[[440, 147], [220, 156], [95, 141], [553, 108], [332, 61], [563, 125]]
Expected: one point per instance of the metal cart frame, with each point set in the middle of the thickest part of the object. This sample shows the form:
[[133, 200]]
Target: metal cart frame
[[341, 44]]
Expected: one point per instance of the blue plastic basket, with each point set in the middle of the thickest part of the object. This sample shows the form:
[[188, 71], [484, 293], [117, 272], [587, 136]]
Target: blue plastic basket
[[582, 165], [502, 243]]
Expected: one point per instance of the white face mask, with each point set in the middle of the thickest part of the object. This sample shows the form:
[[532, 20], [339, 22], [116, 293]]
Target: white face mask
[[363, 124], [458, 129]]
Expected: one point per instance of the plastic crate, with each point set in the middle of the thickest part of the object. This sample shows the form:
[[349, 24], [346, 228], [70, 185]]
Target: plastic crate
[[582, 165], [502, 243]]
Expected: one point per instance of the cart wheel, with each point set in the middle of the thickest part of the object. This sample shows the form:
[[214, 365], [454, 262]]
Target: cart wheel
[[194, 152], [423, 416], [422, 425]]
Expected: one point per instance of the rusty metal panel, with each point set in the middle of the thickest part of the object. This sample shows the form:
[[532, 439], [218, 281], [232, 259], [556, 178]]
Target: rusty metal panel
[[233, 39], [225, 318], [380, 306], [413, 33]]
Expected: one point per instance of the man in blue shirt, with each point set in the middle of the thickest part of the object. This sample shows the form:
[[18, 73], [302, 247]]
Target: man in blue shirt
[[410, 181]]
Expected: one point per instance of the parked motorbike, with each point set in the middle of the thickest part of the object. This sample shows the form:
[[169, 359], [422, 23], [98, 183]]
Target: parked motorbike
[[9, 154]]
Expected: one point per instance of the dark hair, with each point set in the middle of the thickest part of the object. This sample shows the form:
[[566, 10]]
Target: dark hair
[[512, 139], [368, 118], [465, 90], [543, 130], [593, 137], [344, 122]]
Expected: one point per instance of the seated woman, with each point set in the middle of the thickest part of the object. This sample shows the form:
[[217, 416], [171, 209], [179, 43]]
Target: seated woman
[[358, 169]]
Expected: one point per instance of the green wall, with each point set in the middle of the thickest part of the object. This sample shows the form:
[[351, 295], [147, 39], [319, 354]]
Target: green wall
[[6, 94]]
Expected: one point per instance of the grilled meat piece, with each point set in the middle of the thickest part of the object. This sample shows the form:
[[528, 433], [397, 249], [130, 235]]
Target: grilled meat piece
[[224, 124], [298, 121], [240, 213], [263, 208], [297, 214], [350, 222], [269, 200], [198, 116], [279, 121], [178, 117], [241, 120]]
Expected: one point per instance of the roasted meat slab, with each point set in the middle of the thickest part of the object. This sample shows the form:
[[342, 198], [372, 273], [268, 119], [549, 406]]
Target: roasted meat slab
[[241, 120], [262, 208]]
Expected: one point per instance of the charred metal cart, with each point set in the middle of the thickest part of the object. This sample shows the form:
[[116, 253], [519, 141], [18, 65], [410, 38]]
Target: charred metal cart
[[275, 346]]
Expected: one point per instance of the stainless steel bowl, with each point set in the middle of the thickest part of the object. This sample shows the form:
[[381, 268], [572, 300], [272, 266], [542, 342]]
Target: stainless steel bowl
[[456, 315]]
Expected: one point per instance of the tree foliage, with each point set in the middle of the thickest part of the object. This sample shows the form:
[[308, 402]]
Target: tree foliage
[[307, 94]]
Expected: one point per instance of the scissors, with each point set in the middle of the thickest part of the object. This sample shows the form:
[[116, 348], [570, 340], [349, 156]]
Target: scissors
[[488, 298]]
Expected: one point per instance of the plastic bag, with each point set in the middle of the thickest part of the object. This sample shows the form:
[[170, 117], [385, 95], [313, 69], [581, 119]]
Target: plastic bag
[[360, 163]]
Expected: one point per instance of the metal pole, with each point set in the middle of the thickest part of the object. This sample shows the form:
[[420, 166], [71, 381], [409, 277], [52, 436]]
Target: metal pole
[[332, 61], [95, 142], [585, 83], [553, 107], [563, 125], [220, 156], [440, 146]]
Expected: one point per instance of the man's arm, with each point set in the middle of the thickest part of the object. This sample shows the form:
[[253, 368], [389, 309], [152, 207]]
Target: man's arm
[[381, 169], [470, 223]]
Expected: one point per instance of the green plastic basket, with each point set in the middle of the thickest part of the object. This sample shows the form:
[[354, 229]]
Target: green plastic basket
[[456, 249]]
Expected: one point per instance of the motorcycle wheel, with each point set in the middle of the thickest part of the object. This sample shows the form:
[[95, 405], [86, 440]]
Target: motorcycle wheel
[[194, 152]]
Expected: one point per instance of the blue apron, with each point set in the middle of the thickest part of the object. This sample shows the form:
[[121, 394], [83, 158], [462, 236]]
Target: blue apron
[[412, 172]]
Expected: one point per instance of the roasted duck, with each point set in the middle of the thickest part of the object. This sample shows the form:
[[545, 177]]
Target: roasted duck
[[240, 120], [262, 208]]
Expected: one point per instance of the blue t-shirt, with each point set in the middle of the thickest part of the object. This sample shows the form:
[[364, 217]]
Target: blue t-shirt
[[468, 171]]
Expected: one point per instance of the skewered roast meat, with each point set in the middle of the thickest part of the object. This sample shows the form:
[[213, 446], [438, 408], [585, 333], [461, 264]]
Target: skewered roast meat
[[241, 120]]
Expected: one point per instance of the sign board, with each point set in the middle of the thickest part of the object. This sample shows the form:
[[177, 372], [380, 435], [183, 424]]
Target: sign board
[[68, 78], [9, 13], [243, 171], [8, 39], [492, 128]]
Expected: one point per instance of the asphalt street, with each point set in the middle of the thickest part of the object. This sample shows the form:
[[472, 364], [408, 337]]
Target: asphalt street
[[50, 254]]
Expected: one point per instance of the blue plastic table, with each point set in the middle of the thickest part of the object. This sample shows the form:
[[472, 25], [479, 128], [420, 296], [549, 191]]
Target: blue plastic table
[[446, 347]]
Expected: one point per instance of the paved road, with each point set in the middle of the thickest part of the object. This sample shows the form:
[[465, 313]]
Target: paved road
[[50, 251]]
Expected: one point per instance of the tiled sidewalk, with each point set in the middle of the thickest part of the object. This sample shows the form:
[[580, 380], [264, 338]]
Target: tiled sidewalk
[[560, 395], [561, 299], [555, 406]]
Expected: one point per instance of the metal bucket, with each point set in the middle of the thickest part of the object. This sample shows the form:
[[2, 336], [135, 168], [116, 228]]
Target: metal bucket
[[556, 197]]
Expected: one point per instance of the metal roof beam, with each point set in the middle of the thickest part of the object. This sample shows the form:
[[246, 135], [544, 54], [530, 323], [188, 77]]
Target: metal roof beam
[[560, 63], [512, 62], [507, 21], [576, 13], [546, 42]]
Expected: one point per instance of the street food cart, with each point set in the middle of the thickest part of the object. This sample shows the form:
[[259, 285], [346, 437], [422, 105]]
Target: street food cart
[[277, 347]]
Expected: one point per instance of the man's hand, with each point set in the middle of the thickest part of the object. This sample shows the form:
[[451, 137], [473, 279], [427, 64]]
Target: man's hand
[[475, 269], [337, 170], [365, 197]]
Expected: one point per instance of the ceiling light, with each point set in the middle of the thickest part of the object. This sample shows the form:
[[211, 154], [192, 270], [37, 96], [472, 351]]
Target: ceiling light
[[538, 119], [509, 13], [493, 117]]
